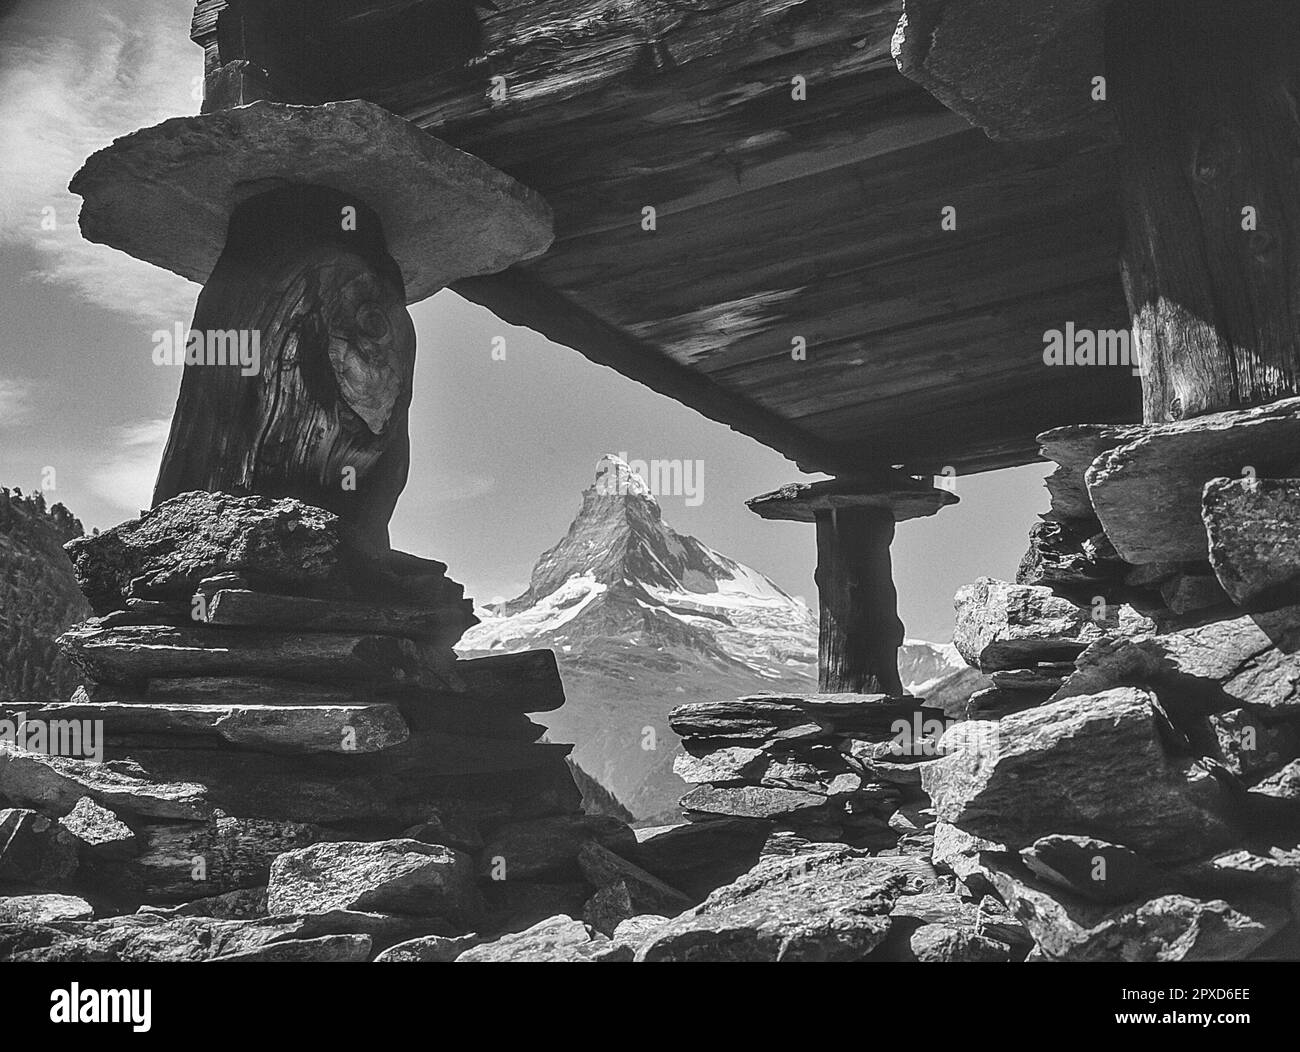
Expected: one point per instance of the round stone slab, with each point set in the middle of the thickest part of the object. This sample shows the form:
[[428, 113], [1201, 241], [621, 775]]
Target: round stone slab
[[165, 194], [801, 501]]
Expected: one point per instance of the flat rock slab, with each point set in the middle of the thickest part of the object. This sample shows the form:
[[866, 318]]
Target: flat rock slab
[[548, 848], [728, 764], [1091, 868], [1242, 870], [344, 729], [528, 681], [328, 949], [133, 653], [240, 607], [747, 720], [557, 940], [445, 213], [1253, 526], [100, 834], [1253, 660], [751, 801], [1012, 679], [400, 786], [240, 904], [57, 783], [1019, 69], [829, 905], [223, 690], [698, 857], [169, 550], [1090, 766], [646, 892], [1147, 492], [389, 876], [1281, 785], [1168, 928], [944, 944], [1007, 626], [772, 721], [1074, 448], [150, 937], [903, 497], [430, 949], [44, 909]]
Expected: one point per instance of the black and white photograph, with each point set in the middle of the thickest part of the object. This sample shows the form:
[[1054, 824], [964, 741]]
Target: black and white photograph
[[650, 481]]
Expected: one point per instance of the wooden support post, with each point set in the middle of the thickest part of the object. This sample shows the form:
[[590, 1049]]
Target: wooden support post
[[320, 411], [860, 632], [299, 362], [1205, 94]]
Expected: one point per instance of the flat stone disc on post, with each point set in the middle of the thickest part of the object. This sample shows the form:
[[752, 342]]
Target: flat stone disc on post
[[859, 632], [166, 194], [903, 497]]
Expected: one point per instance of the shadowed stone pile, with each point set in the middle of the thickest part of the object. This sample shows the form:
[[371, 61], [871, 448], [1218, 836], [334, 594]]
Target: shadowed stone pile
[[1137, 794], [293, 763]]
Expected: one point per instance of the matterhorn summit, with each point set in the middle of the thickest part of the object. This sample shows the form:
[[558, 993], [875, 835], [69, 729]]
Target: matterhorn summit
[[622, 576], [643, 618]]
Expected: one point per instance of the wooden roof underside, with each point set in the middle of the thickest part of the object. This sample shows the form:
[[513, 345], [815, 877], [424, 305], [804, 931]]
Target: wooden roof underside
[[776, 218]]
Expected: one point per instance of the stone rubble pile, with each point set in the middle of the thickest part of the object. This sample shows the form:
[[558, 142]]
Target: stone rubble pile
[[294, 761], [1127, 789], [1130, 787], [825, 767]]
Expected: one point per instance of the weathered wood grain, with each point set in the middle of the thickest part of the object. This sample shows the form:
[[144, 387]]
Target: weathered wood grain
[[323, 416], [776, 218], [859, 632], [1210, 128]]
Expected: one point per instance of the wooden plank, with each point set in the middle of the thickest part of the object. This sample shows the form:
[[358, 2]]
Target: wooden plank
[[777, 218]]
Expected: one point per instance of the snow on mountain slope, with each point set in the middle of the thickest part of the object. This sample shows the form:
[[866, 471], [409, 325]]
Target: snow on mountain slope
[[622, 572], [642, 619]]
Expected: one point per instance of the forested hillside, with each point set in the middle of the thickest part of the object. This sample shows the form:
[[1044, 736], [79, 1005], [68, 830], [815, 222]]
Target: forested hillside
[[38, 598]]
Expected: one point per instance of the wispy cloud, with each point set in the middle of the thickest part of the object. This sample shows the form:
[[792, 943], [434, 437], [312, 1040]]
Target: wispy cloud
[[15, 402], [454, 486], [73, 78], [125, 475]]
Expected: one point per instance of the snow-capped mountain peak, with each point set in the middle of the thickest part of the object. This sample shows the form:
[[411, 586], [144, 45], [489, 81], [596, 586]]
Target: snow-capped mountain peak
[[615, 478], [622, 575], [643, 618]]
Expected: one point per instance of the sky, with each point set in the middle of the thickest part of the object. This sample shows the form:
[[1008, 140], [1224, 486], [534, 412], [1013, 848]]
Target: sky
[[501, 447]]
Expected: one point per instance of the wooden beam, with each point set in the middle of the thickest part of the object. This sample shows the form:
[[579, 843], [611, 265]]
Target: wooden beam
[[517, 298]]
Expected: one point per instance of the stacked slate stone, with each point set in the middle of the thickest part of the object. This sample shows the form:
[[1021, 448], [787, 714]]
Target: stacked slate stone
[[1131, 784], [287, 733], [829, 768]]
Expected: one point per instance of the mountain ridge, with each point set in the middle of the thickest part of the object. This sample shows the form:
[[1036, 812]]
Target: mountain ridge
[[643, 619]]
